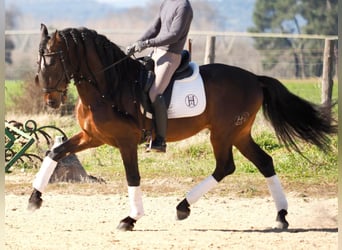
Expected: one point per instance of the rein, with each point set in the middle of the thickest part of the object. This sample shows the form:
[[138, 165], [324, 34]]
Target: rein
[[112, 65]]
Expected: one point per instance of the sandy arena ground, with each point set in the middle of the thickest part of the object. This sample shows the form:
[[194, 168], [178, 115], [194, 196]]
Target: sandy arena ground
[[69, 221]]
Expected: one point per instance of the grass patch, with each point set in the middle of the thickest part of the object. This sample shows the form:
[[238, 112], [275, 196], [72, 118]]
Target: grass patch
[[309, 89], [12, 89]]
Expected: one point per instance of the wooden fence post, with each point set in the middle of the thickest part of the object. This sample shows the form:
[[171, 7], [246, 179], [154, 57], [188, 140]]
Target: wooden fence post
[[209, 56], [190, 46], [327, 74]]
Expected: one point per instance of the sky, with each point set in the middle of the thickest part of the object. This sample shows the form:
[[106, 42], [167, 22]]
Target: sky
[[85, 12], [124, 3]]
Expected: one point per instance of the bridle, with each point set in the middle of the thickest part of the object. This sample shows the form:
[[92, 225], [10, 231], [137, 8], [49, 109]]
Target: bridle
[[65, 71]]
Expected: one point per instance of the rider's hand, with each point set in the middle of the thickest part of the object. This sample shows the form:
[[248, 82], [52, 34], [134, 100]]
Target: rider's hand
[[130, 50], [137, 47]]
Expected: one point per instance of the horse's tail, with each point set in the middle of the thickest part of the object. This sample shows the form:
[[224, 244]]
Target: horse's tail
[[293, 117]]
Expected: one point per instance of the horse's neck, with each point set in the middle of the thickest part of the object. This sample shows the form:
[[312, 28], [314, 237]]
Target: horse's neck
[[96, 92], [88, 94]]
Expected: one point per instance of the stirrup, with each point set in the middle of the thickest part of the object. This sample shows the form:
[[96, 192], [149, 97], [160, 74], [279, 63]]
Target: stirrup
[[148, 145], [156, 145]]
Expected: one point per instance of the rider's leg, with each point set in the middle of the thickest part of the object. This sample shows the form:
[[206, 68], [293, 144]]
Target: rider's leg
[[166, 64]]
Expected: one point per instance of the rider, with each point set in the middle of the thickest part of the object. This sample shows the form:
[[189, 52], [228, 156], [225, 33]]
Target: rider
[[167, 36]]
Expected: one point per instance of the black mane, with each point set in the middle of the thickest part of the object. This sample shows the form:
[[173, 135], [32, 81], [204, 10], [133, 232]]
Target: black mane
[[108, 53]]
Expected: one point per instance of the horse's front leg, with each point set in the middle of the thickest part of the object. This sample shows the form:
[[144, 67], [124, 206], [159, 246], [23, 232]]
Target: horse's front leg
[[130, 159], [75, 144]]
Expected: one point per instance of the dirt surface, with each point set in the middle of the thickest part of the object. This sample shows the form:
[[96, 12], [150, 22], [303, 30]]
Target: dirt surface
[[87, 219]]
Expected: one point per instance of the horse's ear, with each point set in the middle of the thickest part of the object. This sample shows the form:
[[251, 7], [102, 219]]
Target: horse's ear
[[56, 37], [44, 30]]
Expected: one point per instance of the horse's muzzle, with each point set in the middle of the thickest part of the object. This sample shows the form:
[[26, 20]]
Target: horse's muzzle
[[54, 99], [52, 103]]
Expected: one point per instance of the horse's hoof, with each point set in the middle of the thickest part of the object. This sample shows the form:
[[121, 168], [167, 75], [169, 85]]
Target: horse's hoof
[[35, 201], [281, 220], [183, 210], [126, 224], [182, 215]]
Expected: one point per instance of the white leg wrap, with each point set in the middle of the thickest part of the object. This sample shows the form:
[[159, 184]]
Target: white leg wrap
[[277, 193], [44, 174], [201, 189], [58, 141], [135, 200]]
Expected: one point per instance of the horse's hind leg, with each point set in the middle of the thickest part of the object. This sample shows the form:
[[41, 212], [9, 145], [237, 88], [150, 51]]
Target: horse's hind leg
[[264, 163], [224, 166]]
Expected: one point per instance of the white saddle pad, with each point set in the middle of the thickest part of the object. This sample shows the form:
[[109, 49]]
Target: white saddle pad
[[188, 96]]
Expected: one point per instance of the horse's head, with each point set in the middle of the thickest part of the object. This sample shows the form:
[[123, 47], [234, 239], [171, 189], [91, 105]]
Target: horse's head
[[52, 72]]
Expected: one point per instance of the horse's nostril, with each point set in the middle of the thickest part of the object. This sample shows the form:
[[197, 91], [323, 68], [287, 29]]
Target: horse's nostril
[[51, 103]]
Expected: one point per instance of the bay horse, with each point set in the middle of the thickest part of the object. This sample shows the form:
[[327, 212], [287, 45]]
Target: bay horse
[[108, 112]]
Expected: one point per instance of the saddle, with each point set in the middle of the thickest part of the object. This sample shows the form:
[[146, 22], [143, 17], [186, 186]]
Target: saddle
[[147, 78]]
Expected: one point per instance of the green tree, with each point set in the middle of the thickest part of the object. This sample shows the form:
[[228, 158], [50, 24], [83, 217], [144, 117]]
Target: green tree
[[294, 17], [322, 16]]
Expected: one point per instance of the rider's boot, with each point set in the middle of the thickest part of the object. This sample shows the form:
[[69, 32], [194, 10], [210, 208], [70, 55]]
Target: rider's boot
[[160, 123]]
